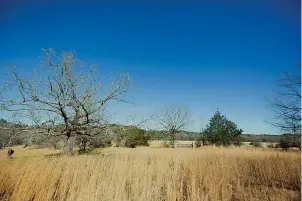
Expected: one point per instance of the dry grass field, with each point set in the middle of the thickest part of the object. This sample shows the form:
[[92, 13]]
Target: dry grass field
[[152, 174]]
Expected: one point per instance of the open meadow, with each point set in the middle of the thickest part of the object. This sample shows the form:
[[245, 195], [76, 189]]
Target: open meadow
[[143, 173]]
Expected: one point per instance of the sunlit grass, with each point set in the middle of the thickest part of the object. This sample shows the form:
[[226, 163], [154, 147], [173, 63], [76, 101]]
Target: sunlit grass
[[207, 173]]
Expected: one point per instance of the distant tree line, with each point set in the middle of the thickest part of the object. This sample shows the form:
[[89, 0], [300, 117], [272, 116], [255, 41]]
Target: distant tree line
[[219, 131]]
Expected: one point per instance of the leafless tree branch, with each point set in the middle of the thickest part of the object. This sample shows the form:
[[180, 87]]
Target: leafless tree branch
[[172, 119]]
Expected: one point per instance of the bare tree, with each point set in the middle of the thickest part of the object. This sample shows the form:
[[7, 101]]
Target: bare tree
[[173, 119], [66, 97], [286, 106]]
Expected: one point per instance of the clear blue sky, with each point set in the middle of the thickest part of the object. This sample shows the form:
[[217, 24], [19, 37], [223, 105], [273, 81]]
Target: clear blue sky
[[224, 55]]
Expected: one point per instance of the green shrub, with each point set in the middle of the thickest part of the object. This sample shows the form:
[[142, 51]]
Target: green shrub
[[264, 140], [99, 143], [237, 143], [271, 145], [201, 141], [284, 143], [256, 144], [198, 143], [166, 145], [136, 137]]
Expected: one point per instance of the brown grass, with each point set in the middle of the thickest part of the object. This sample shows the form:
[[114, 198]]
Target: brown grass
[[207, 173]]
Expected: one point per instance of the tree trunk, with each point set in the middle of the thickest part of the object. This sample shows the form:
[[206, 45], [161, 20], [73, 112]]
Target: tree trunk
[[69, 146], [172, 139], [297, 138], [83, 145]]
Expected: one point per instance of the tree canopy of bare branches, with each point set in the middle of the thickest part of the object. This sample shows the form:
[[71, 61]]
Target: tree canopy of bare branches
[[64, 97], [172, 119], [286, 105]]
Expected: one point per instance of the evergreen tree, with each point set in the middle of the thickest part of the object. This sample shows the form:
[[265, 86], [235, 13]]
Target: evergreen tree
[[221, 131]]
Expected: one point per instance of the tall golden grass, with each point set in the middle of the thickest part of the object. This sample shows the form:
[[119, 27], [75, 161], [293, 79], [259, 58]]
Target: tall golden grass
[[207, 173]]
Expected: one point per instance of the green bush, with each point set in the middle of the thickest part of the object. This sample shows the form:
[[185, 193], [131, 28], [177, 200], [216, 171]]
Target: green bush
[[284, 143], [136, 137], [99, 143], [166, 145], [256, 144], [237, 143], [198, 143], [271, 145], [264, 140], [290, 140]]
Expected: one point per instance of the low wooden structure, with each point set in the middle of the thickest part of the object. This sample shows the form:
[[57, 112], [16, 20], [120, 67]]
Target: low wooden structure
[[184, 145]]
